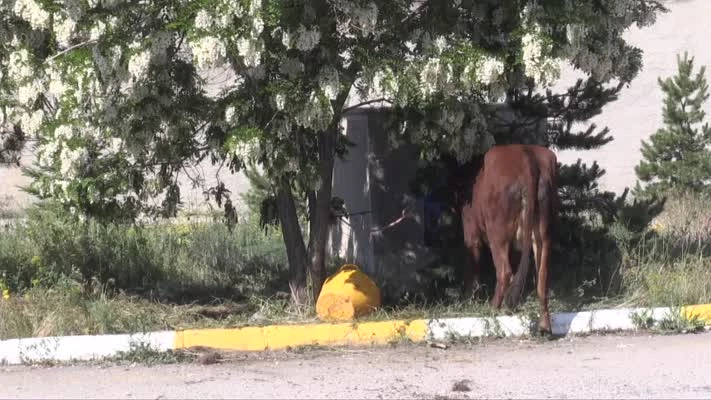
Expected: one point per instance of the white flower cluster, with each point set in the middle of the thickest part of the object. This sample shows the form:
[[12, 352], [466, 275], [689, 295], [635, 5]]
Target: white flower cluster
[[304, 39], [233, 9], [208, 51], [384, 84], [450, 121], [230, 114], [329, 82], [65, 21], [31, 122], [539, 65], [142, 58], [491, 70], [206, 21], [361, 19], [257, 25], [575, 34], [97, 30], [112, 146], [316, 113], [27, 93], [56, 150], [46, 152], [280, 101], [254, 7], [64, 28], [246, 148], [139, 63], [56, 85], [32, 12], [434, 45], [436, 76], [19, 68], [484, 71], [203, 20], [250, 50], [452, 133], [72, 160]]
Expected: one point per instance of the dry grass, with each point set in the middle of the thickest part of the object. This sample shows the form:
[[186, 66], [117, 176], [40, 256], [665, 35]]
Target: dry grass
[[61, 311], [672, 267]]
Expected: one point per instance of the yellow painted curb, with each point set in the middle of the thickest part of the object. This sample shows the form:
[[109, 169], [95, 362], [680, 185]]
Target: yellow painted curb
[[701, 311], [283, 336]]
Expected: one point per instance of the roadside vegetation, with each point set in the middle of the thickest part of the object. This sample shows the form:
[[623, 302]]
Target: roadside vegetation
[[63, 276]]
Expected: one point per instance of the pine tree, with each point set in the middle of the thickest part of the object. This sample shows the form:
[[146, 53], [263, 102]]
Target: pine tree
[[677, 156]]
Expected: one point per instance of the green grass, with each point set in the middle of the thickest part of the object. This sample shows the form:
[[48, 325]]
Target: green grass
[[66, 277], [177, 262]]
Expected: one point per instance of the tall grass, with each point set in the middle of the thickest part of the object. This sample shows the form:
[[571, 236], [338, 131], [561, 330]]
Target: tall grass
[[66, 276], [165, 260], [671, 266]]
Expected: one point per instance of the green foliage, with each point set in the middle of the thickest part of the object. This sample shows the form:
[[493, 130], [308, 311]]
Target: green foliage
[[261, 200], [174, 261], [12, 141], [677, 156]]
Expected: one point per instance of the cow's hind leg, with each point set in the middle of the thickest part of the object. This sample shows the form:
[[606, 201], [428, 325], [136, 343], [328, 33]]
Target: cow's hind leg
[[544, 322], [500, 254], [472, 269], [543, 242]]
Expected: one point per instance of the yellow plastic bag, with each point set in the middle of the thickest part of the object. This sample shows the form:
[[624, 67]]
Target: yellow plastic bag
[[347, 294]]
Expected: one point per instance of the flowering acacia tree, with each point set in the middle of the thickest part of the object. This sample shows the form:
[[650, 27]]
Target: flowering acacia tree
[[113, 91]]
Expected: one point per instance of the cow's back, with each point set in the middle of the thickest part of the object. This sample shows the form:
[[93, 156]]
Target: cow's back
[[500, 190]]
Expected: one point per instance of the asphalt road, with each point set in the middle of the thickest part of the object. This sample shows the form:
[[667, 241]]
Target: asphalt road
[[591, 367]]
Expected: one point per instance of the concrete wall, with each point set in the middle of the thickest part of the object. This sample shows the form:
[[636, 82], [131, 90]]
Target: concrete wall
[[374, 181], [638, 111], [350, 239]]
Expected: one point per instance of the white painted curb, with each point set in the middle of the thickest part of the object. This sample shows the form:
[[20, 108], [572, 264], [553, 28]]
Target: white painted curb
[[84, 347], [620, 319], [70, 348]]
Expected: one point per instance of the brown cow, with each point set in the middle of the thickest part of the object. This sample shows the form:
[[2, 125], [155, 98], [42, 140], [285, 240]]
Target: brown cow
[[511, 205]]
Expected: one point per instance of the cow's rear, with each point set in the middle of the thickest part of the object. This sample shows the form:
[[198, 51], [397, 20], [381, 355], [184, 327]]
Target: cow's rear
[[511, 208]]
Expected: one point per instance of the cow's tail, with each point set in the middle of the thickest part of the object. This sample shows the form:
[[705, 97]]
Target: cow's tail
[[518, 283]]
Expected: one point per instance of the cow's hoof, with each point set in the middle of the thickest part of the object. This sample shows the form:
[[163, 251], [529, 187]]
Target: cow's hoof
[[544, 330]]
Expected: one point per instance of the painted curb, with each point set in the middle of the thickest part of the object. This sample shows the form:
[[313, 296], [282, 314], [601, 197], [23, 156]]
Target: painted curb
[[278, 337], [82, 347]]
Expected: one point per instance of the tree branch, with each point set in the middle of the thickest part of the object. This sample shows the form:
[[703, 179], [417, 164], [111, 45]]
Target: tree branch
[[70, 48], [365, 103]]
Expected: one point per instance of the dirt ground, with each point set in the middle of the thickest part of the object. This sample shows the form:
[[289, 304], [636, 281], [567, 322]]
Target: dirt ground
[[620, 366]]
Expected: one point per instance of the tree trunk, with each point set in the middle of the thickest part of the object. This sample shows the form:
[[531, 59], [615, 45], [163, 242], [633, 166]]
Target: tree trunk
[[311, 197], [293, 240], [320, 223]]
